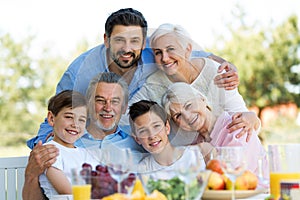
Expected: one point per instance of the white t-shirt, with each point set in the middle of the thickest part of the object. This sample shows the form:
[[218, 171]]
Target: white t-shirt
[[149, 164], [68, 159]]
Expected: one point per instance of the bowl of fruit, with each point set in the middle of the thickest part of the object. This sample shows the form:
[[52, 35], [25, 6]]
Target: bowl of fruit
[[219, 185]]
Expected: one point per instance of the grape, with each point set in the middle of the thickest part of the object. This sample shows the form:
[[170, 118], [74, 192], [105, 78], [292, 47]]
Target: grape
[[94, 173], [96, 193], [101, 168], [86, 165], [131, 177], [102, 182]]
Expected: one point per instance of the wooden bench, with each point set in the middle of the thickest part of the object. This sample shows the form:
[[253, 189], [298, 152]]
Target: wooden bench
[[12, 176]]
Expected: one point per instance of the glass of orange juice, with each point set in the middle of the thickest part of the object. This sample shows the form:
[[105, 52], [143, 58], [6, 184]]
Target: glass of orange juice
[[81, 192], [284, 165], [81, 186]]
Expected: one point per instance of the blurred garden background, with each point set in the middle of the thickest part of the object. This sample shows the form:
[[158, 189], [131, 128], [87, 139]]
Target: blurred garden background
[[267, 56]]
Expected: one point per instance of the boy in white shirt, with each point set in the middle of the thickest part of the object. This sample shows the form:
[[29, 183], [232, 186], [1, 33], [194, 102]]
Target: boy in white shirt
[[150, 126], [67, 113]]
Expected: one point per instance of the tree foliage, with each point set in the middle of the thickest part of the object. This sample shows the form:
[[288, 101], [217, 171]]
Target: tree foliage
[[26, 85], [264, 58]]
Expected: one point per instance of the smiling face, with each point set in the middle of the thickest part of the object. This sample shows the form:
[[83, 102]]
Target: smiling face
[[109, 106], [170, 55], [125, 45], [68, 124], [151, 132], [190, 115]]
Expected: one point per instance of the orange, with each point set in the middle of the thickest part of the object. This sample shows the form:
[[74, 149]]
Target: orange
[[138, 186], [156, 195], [116, 196]]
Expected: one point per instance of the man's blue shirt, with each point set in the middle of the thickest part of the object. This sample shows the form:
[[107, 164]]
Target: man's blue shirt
[[119, 138]]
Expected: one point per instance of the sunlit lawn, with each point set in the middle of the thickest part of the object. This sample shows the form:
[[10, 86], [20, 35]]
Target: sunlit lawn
[[280, 131]]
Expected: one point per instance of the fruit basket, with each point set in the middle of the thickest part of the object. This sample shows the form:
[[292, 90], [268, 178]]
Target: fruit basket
[[226, 194], [219, 181], [219, 185]]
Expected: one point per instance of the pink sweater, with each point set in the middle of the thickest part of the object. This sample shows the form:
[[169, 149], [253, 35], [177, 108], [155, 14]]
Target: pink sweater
[[254, 149]]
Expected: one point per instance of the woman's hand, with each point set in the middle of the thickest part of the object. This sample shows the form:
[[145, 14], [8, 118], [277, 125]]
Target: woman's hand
[[228, 80], [246, 121]]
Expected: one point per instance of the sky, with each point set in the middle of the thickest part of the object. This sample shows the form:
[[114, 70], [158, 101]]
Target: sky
[[62, 24]]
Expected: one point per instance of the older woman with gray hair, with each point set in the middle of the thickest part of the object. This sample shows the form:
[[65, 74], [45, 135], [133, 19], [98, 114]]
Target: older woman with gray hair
[[173, 49], [190, 111]]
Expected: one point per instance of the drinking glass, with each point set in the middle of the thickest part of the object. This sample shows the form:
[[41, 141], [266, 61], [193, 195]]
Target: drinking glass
[[263, 174], [81, 185], [284, 162], [188, 171], [233, 163], [119, 163]]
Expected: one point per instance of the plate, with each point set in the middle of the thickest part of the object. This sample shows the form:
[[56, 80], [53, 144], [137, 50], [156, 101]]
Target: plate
[[226, 194]]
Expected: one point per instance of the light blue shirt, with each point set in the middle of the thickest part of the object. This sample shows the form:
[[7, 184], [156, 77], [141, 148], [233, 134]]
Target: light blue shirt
[[89, 64], [119, 140]]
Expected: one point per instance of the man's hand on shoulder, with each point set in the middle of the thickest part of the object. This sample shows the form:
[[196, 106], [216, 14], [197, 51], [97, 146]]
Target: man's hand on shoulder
[[41, 157]]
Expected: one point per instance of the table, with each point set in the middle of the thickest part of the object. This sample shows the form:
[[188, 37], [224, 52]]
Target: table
[[259, 194], [258, 197]]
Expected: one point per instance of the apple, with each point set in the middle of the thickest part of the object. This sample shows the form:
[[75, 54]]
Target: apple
[[247, 181], [241, 183], [228, 182], [216, 181], [251, 179], [215, 166]]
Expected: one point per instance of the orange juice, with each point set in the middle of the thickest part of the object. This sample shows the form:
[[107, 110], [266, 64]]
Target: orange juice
[[81, 192], [276, 177]]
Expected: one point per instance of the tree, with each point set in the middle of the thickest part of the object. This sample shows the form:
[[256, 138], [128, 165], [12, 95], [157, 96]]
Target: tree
[[264, 59], [26, 85]]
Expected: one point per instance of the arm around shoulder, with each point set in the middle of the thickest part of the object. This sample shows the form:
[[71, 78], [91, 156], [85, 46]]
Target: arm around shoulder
[[228, 80], [32, 190], [40, 158]]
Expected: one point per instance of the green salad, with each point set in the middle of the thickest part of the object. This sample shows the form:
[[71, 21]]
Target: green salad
[[174, 189]]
